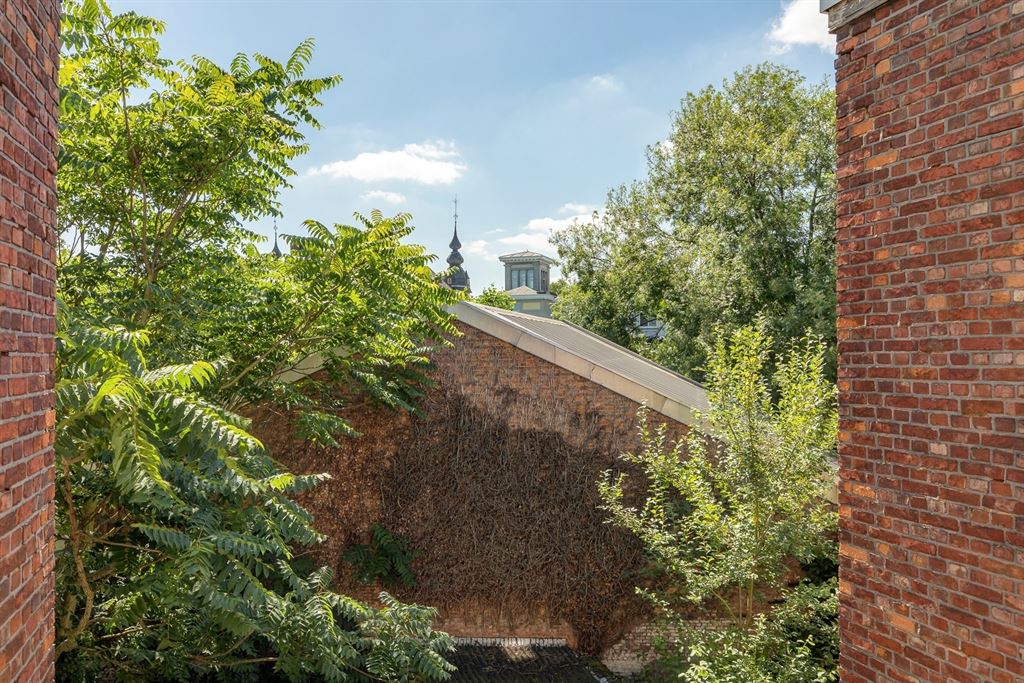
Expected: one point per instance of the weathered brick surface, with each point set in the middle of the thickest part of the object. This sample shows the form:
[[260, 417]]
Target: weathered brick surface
[[28, 72], [931, 341], [524, 392], [488, 370]]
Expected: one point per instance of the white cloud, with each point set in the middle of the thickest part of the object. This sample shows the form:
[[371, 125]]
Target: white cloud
[[536, 234], [547, 225], [481, 248], [604, 83], [573, 209], [431, 163], [801, 23], [384, 196]]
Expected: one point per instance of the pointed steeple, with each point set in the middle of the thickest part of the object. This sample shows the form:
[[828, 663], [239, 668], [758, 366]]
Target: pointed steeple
[[459, 278], [455, 258], [277, 250]]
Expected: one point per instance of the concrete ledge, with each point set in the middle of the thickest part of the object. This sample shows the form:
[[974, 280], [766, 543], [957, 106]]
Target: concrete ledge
[[511, 641], [538, 347], [842, 12]]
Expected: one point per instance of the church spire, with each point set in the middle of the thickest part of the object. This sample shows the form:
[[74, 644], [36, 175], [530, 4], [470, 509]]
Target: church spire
[[455, 258], [457, 278], [277, 250]]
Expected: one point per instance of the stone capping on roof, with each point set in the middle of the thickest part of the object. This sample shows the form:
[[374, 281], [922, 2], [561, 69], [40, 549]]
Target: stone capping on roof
[[842, 12], [501, 324], [526, 256]]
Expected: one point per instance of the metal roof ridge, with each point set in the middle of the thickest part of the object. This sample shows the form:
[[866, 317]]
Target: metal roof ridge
[[598, 338], [634, 354], [499, 314]]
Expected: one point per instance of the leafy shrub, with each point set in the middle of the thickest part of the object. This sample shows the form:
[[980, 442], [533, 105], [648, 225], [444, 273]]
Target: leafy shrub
[[386, 558], [175, 531], [797, 643], [492, 296], [726, 511]]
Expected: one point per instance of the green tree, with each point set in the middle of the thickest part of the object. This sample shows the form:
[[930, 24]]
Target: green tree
[[492, 296], [160, 165], [175, 527], [747, 492], [736, 218], [161, 162], [176, 530]]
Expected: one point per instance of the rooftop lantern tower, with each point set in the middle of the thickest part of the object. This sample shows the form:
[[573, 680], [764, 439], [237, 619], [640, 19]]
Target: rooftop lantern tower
[[527, 277]]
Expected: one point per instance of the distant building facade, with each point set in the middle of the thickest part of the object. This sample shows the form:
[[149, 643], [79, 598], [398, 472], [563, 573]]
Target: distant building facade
[[527, 281]]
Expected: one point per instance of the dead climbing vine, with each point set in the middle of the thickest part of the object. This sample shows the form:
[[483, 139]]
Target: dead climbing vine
[[508, 517], [499, 503]]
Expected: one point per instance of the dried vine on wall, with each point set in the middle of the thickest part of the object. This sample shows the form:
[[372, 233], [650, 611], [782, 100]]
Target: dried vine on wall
[[496, 495], [508, 517]]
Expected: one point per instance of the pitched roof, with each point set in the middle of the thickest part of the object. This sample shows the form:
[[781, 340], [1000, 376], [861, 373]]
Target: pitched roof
[[591, 356]]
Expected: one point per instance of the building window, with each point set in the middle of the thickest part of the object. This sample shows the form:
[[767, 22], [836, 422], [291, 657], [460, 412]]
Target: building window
[[522, 277]]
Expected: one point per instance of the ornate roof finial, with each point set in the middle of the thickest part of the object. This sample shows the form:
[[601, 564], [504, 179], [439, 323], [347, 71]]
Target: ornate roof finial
[[455, 243], [455, 258], [277, 250], [457, 278]]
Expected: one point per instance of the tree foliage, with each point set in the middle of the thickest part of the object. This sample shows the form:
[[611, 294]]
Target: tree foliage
[[387, 558], [735, 219], [177, 535], [492, 296], [797, 643], [176, 529], [161, 163], [746, 493]]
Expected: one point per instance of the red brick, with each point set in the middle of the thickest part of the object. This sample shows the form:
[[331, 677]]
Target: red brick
[[28, 62], [528, 394], [930, 359]]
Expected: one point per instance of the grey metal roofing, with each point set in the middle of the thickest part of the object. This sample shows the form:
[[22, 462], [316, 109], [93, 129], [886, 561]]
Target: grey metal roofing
[[592, 356]]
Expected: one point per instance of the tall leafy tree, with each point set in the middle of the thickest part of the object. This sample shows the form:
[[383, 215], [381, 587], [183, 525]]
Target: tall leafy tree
[[175, 526], [492, 296], [162, 163], [735, 219]]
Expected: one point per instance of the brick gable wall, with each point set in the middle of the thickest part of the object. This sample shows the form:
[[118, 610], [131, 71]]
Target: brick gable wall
[[28, 127], [525, 394], [931, 341]]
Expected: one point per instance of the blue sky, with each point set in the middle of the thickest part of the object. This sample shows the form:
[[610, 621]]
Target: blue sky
[[528, 111]]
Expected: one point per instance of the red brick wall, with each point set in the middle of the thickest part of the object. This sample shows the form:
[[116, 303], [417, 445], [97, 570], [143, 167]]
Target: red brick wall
[[488, 369], [28, 72], [527, 393], [931, 341]]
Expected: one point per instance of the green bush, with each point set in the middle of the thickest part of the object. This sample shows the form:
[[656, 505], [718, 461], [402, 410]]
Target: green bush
[[725, 512], [798, 642], [386, 558], [176, 529]]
